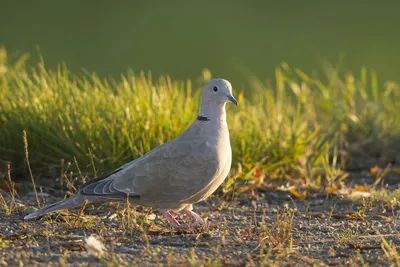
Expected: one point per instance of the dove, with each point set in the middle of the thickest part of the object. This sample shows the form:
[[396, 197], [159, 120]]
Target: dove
[[175, 175]]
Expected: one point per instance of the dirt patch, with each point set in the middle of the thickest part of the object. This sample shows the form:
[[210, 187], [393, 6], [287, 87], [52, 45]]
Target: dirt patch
[[270, 228]]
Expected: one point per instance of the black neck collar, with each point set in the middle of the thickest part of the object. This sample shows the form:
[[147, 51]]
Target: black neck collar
[[202, 118]]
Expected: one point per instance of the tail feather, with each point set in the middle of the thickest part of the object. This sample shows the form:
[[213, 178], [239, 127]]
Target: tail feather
[[68, 203]]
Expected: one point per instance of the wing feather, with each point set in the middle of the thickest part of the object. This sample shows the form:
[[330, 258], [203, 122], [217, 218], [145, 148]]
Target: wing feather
[[172, 172]]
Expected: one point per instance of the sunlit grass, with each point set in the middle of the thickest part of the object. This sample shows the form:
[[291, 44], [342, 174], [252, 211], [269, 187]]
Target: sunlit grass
[[303, 129]]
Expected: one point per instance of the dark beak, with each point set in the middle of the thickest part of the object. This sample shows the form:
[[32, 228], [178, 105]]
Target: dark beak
[[232, 99]]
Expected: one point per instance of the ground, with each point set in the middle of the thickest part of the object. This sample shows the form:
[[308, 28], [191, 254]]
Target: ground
[[265, 228], [319, 138]]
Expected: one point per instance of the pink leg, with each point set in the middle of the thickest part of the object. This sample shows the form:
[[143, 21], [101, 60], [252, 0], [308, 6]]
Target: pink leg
[[171, 219], [198, 221], [174, 223]]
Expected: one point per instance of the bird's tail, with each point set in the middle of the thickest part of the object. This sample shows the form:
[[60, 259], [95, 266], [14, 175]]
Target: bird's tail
[[68, 203]]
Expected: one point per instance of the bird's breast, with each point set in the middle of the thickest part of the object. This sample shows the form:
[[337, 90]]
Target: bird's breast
[[223, 154]]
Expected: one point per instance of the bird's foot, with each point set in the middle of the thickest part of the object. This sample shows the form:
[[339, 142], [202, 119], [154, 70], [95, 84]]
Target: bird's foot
[[172, 221], [199, 222], [175, 224]]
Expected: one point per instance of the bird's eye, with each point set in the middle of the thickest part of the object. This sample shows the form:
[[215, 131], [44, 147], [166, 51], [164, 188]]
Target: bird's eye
[[215, 89]]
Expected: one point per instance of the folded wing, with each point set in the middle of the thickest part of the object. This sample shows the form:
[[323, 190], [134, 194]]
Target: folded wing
[[174, 171]]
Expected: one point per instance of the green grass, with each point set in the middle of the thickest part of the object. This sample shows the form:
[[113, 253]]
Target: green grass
[[302, 129]]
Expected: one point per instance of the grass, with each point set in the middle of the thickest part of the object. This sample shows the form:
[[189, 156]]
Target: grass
[[278, 234], [391, 253], [304, 129], [10, 204]]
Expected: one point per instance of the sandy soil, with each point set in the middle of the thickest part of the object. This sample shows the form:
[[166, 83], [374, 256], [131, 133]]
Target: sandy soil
[[270, 228]]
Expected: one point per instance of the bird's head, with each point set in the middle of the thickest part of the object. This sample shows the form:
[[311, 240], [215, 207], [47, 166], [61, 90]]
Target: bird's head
[[218, 91]]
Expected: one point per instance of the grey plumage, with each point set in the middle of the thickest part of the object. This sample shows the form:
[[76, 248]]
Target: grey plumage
[[176, 174]]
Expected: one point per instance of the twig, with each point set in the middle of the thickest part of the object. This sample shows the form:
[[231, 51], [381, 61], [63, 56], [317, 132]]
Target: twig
[[81, 211], [79, 170], [360, 237], [349, 216], [11, 189], [308, 260], [3, 202]]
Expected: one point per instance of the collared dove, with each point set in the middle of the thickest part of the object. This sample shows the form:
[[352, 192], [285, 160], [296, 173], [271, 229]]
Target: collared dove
[[175, 175]]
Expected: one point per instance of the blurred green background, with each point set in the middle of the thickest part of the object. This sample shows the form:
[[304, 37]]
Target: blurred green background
[[180, 38]]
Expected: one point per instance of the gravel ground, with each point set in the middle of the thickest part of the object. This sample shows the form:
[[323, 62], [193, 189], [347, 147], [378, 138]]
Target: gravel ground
[[269, 228]]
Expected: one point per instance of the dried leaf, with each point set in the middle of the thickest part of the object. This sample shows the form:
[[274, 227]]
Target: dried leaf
[[298, 195], [246, 188], [375, 170], [331, 190], [361, 188], [349, 216], [359, 194], [94, 246]]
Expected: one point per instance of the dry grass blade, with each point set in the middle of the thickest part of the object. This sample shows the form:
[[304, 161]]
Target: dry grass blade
[[279, 233], [29, 167], [10, 204]]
